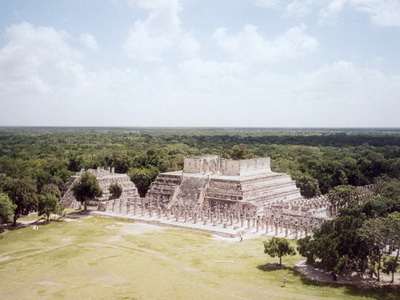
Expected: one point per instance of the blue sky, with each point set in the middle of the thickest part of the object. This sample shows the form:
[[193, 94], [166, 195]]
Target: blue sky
[[250, 63]]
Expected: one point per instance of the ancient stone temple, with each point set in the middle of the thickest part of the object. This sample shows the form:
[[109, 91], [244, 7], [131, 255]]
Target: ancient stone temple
[[212, 181], [226, 197], [105, 178]]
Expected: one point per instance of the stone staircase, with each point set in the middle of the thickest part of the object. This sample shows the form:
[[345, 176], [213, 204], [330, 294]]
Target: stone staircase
[[190, 192], [68, 200]]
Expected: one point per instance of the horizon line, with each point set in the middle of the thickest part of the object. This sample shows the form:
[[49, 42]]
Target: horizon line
[[200, 127]]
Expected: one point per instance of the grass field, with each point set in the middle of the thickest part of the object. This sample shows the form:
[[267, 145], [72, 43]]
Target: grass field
[[97, 258]]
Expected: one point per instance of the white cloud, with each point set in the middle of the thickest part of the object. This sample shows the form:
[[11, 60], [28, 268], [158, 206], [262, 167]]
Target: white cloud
[[197, 92], [383, 12], [271, 4], [145, 43], [329, 14], [213, 69], [250, 46], [29, 53], [151, 4], [89, 41], [148, 40], [299, 8]]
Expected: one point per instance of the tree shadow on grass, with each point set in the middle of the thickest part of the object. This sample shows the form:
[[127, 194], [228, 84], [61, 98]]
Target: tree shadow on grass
[[389, 292], [20, 225], [272, 267]]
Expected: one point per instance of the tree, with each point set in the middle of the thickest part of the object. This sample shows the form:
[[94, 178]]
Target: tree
[[380, 233], [115, 191], [336, 244], [142, 178], [47, 205], [304, 246], [388, 187], [342, 195], [23, 195], [240, 152], [51, 189], [394, 241], [390, 265], [375, 232], [3, 180], [6, 208], [278, 247], [75, 163], [308, 186], [86, 188]]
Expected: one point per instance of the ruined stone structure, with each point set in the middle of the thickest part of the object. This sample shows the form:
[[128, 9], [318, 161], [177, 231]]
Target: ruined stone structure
[[105, 178], [209, 182], [219, 196]]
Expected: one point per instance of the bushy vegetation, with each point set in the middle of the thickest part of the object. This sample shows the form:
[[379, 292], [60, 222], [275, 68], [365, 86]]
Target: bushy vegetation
[[361, 237]]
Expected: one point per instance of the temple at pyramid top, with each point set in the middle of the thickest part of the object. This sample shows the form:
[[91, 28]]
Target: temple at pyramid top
[[228, 167]]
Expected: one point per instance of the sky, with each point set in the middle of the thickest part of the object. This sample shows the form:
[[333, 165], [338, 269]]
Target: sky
[[208, 63]]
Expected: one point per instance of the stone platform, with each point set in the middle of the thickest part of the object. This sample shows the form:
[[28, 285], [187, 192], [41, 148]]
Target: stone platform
[[221, 223], [224, 232]]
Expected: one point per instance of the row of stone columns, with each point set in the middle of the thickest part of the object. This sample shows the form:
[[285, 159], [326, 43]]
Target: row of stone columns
[[296, 226]]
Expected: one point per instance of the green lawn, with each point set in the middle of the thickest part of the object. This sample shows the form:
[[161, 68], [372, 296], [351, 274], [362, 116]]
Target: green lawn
[[107, 259]]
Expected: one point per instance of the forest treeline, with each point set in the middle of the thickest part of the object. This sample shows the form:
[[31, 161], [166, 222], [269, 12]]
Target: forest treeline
[[317, 159]]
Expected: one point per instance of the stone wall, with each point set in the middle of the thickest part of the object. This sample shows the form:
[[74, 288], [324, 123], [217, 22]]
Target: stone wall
[[227, 167], [202, 165], [242, 167]]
